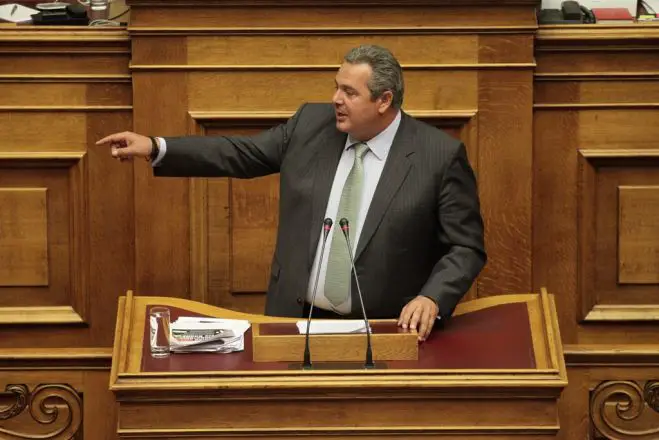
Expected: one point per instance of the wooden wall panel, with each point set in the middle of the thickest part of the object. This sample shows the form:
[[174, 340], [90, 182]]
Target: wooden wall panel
[[222, 73], [67, 227], [595, 183]]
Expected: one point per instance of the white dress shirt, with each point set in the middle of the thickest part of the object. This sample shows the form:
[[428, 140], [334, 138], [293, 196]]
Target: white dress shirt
[[374, 161]]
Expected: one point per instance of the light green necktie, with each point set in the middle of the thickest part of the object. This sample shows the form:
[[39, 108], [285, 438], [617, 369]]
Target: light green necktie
[[337, 278]]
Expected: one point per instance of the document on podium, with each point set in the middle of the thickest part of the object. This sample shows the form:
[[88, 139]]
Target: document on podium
[[192, 334], [332, 326]]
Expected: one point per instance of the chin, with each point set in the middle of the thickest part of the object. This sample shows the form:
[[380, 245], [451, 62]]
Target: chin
[[342, 127]]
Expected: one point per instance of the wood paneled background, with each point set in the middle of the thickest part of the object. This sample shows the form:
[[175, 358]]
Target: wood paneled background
[[561, 125]]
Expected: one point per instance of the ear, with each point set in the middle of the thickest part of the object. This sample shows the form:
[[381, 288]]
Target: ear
[[385, 101]]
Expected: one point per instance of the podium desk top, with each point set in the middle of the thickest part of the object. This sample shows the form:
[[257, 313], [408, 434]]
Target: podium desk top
[[498, 337], [506, 345]]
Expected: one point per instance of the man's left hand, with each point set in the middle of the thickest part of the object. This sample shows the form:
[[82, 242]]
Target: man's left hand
[[419, 314]]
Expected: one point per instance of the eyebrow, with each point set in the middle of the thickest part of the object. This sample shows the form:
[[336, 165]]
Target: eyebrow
[[345, 87]]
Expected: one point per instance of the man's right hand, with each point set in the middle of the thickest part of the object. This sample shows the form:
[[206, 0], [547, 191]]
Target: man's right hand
[[127, 145]]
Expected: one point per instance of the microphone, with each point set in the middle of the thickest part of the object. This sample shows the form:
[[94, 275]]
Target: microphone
[[327, 227], [345, 227]]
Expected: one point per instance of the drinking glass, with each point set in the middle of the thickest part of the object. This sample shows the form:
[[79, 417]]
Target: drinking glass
[[159, 323]]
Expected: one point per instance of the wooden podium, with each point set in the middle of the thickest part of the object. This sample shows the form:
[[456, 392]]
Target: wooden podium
[[495, 370]]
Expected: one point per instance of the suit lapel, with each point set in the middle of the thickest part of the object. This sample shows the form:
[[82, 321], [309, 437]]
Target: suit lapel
[[393, 175], [324, 168]]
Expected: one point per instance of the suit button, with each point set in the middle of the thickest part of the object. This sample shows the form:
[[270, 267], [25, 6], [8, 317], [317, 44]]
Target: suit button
[[299, 300]]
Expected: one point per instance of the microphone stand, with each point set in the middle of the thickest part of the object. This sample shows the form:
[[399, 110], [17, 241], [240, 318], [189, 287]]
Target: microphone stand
[[345, 227], [327, 227]]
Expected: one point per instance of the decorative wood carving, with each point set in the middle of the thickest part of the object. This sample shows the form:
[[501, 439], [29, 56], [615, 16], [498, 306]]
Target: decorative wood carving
[[22, 394], [56, 405], [651, 394], [625, 409]]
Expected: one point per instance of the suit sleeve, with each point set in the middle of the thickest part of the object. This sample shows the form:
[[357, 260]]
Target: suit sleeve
[[460, 235], [228, 156]]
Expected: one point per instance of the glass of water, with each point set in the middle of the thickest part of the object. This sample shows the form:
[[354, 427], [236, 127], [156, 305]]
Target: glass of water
[[159, 323]]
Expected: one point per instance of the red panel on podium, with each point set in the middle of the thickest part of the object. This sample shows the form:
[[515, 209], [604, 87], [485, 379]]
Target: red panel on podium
[[493, 338]]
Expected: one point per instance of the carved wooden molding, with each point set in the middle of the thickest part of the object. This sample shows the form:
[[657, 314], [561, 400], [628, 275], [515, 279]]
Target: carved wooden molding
[[66, 78], [76, 165], [81, 358], [46, 404], [617, 407], [595, 76], [596, 355], [320, 67], [44, 40], [590, 309], [576, 38], [373, 3], [64, 108]]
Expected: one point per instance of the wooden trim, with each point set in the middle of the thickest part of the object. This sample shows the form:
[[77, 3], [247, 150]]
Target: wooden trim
[[66, 78], [64, 34], [138, 31], [92, 358], [611, 356], [204, 117], [43, 155], [549, 327], [119, 357], [40, 315], [320, 67], [69, 108], [548, 429], [631, 312], [323, 3], [619, 154], [589, 33], [599, 106], [596, 76]]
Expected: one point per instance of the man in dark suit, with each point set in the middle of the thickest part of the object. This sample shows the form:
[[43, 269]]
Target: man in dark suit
[[406, 188]]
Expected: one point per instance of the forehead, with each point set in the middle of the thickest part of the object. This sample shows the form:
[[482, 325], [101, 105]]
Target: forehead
[[354, 74]]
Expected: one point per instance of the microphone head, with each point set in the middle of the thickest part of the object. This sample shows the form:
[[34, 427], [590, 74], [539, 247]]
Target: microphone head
[[328, 223], [344, 223]]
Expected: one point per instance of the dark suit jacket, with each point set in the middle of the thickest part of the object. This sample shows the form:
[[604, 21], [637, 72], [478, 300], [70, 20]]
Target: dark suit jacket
[[423, 233]]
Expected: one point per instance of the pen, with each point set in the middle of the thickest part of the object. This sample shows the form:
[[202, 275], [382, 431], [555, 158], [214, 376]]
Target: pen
[[13, 9]]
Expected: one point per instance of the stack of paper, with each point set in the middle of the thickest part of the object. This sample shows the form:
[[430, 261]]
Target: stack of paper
[[192, 334], [332, 326]]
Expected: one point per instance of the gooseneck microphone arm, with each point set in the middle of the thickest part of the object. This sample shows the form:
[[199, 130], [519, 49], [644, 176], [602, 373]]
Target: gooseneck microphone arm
[[327, 227], [345, 227]]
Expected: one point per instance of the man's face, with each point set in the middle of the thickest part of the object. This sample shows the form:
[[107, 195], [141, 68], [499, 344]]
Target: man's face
[[356, 113]]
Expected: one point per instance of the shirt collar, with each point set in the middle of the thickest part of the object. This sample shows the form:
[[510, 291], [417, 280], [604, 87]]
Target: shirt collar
[[381, 143]]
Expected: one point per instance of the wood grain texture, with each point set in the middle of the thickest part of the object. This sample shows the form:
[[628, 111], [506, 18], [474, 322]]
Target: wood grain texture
[[147, 18], [638, 243], [162, 230], [23, 237], [505, 167]]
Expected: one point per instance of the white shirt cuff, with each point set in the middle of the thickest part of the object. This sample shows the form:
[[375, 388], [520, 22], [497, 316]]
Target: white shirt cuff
[[163, 150]]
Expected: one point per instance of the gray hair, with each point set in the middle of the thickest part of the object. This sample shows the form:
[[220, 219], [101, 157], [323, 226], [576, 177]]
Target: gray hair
[[387, 73]]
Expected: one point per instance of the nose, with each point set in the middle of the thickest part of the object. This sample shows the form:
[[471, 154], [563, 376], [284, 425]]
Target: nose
[[338, 97]]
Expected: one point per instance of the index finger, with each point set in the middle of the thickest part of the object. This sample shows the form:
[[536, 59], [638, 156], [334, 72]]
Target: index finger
[[113, 138]]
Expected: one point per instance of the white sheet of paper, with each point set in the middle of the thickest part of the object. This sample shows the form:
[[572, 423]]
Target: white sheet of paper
[[22, 13], [237, 326], [332, 326]]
